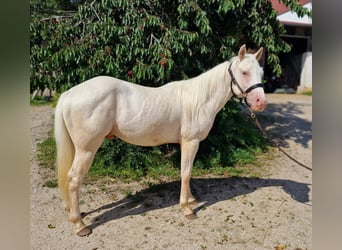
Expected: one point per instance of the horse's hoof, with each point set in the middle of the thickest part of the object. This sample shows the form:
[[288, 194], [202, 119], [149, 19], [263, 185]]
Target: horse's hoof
[[191, 216], [84, 232]]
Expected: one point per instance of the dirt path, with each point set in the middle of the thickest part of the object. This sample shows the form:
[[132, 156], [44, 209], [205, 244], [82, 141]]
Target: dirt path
[[234, 213]]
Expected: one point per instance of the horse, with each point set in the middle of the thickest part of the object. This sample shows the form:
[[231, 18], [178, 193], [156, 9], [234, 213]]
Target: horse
[[181, 112]]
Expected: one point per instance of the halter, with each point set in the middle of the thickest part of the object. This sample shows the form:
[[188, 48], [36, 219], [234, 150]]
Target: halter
[[243, 95]]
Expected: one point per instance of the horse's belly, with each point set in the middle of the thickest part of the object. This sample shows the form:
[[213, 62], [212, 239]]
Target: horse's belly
[[152, 136], [148, 139]]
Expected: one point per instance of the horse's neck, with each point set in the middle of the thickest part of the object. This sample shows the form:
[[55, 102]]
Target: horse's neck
[[217, 81]]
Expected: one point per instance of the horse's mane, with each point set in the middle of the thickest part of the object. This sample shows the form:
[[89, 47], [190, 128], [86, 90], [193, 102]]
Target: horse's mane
[[198, 91]]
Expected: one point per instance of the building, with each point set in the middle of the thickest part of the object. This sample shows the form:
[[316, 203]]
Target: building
[[297, 64]]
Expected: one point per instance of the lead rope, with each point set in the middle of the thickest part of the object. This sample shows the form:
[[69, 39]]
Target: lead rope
[[255, 119]]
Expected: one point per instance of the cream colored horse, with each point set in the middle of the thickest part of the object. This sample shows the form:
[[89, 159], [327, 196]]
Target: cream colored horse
[[179, 112]]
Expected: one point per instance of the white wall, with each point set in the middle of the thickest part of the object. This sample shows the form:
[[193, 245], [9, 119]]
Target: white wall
[[306, 72]]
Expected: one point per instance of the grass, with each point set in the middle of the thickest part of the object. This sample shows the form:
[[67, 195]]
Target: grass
[[50, 183], [46, 153], [46, 159], [308, 93], [38, 101]]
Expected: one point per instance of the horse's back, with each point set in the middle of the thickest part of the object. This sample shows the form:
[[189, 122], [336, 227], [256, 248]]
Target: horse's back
[[137, 114], [99, 85], [98, 92]]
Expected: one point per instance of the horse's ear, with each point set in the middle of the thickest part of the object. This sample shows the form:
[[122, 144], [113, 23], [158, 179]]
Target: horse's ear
[[258, 54], [242, 52]]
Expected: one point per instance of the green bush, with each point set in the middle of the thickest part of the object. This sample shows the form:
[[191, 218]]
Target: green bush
[[117, 158]]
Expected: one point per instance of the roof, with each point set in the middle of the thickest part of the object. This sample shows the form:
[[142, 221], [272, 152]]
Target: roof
[[286, 16]]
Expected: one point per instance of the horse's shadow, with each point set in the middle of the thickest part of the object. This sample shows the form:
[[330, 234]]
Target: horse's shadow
[[207, 191], [282, 122]]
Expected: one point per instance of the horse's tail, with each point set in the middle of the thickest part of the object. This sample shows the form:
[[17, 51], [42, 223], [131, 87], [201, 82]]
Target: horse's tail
[[65, 152]]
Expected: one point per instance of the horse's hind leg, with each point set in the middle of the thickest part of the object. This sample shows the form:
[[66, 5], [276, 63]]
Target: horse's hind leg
[[188, 151], [79, 169]]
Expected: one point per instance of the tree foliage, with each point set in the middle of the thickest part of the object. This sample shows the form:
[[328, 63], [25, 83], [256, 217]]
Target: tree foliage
[[147, 42]]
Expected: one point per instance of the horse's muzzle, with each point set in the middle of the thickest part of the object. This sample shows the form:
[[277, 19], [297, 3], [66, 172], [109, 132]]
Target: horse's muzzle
[[257, 103]]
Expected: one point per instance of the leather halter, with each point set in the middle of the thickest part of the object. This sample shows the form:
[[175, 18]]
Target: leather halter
[[243, 95]]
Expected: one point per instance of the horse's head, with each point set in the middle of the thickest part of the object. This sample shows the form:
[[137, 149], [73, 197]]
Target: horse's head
[[246, 75]]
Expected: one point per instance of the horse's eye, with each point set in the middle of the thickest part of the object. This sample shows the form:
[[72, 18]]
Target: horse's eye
[[244, 73]]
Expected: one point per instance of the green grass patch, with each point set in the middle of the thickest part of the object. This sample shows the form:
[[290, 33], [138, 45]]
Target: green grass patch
[[308, 93], [244, 156], [46, 153], [39, 102], [223, 171], [167, 171], [50, 183]]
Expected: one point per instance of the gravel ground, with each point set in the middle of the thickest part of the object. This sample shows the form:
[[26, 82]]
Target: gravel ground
[[272, 212]]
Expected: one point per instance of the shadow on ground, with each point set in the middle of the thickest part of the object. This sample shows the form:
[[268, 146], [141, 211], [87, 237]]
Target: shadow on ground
[[209, 191], [282, 122]]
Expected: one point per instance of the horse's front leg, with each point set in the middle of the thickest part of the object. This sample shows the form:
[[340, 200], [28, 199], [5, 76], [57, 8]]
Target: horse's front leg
[[189, 149]]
